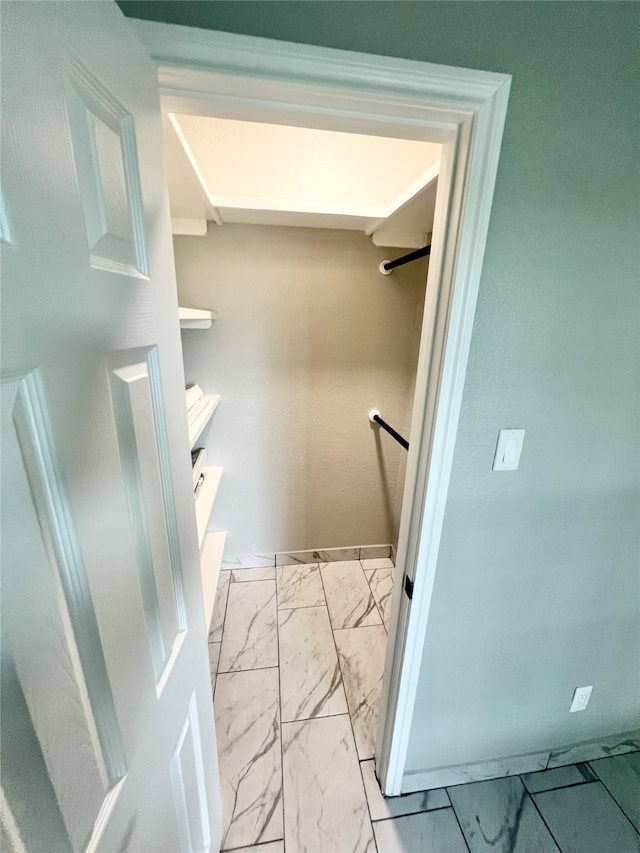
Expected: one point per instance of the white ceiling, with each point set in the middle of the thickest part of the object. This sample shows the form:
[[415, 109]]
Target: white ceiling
[[225, 170]]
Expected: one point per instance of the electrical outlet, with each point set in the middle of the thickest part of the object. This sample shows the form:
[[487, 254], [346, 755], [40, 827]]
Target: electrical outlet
[[581, 696]]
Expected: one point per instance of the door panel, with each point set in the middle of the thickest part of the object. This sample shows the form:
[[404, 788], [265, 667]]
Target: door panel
[[135, 417], [105, 682], [106, 157], [25, 778], [49, 630], [187, 780]]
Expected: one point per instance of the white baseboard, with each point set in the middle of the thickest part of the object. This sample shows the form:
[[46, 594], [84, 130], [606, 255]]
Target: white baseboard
[[460, 774], [322, 555]]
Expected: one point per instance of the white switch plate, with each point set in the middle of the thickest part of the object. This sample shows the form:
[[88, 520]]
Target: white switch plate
[[508, 450], [580, 699]]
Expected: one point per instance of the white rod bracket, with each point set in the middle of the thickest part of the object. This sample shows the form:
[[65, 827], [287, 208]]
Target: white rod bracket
[[374, 413]]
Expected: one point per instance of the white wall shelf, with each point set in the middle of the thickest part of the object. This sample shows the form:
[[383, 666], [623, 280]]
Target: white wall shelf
[[210, 562], [195, 318], [205, 499], [199, 419]]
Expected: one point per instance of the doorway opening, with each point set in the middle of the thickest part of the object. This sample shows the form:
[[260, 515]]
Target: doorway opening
[[224, 76], [312, 333], [311, 246]]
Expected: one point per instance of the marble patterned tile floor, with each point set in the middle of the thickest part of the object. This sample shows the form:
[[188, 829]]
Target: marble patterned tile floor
[[296, 655]]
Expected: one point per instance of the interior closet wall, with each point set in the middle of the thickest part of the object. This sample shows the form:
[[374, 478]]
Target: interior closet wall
[[310, 336]]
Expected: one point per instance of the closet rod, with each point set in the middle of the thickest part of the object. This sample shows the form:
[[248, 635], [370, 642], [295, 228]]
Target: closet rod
[[374, 417], [387, 267]]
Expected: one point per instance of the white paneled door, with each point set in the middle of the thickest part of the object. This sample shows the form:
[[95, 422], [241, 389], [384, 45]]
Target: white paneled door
[[108, 740]]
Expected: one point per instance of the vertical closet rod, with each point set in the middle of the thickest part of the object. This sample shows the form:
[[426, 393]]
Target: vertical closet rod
[[374, 417], [387, 267]]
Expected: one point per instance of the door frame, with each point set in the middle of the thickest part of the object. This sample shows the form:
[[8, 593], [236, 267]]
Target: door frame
[[213, 73]]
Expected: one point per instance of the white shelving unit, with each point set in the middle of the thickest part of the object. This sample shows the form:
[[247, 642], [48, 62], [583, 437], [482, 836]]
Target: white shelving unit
[[199, 415], [210, 562], [205, 498], [202, 417], [196, 318]]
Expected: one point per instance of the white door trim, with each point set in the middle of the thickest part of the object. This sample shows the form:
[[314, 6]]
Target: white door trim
[[228, 75]]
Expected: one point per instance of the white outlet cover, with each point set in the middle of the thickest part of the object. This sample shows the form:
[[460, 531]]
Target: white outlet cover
[[580, 699]]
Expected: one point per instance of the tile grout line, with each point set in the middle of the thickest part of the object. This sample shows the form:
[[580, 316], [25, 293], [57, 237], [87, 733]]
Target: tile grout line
[[215, 688], [375, 603], [229, 586], [326, 604], [415, 814], [224, 614], [249, 669], [224, 621], [284, 848], [315, 566], [301, 607], [256, 669], [364, 788], [578, 785], [455, 814], [333, 631], [612, 797], [556, 787], [320, 717], [353, 733], [380, 614], [535, 805], [258, 845]]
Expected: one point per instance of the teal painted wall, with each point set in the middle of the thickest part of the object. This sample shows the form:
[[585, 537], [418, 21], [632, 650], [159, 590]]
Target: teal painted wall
[[537, 588]]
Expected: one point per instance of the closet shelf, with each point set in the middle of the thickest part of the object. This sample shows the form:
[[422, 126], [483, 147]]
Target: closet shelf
[[195, 318], [210, 562], [205, 498], [198, 419]]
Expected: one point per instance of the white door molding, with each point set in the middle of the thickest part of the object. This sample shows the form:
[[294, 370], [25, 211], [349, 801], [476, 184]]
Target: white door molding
[[212, 73]]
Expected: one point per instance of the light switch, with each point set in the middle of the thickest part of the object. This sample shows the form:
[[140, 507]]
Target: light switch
[[508, 450]]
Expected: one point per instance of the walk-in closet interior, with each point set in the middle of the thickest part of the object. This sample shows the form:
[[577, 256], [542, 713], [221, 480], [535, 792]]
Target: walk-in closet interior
[[293, 332]]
